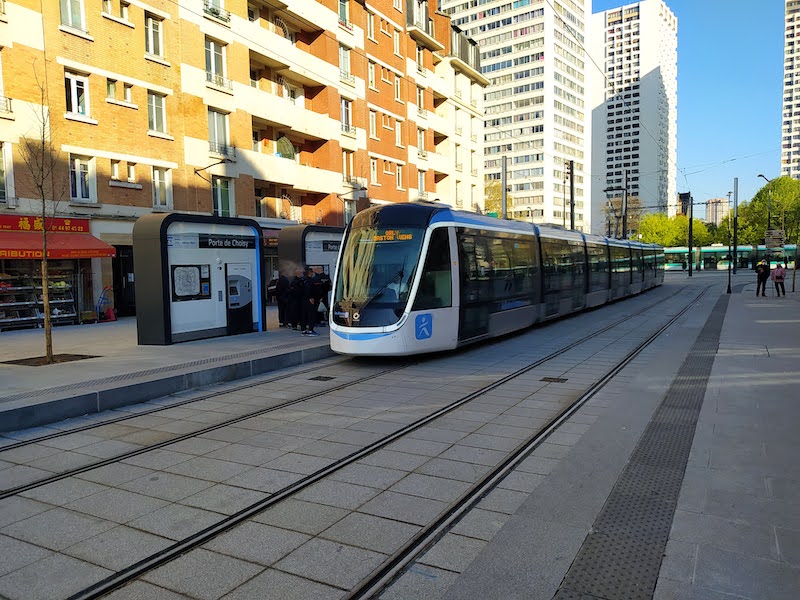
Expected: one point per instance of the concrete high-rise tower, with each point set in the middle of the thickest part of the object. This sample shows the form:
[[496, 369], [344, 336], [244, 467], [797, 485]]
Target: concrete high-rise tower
[[534, 54], [790, 141], [634, 106]]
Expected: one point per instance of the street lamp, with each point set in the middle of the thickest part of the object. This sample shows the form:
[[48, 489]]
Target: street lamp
[[730, 256], [769, 200]]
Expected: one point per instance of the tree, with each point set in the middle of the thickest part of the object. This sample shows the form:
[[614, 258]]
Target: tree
[[41, 159], [658, 228], [613, 213], [493, 197]]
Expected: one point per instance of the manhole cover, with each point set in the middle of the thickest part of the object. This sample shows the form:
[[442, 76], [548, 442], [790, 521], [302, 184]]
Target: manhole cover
[[553, 379], [321, 378]]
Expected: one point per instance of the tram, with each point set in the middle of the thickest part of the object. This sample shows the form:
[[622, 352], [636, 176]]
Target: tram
[[716, 257], [421, 277]]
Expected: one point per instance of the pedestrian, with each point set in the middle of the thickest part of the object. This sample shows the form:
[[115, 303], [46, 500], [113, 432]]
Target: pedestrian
[[311, 290], [777, 276], [294, 307], [683, 265], [325, 285], [282, 296], [762, 274]]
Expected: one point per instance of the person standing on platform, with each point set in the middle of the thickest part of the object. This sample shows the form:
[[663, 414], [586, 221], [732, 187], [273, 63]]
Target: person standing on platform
[[282, 296], [777, 276], [762, 274], [324, 290], [311, 288], [294, 308]]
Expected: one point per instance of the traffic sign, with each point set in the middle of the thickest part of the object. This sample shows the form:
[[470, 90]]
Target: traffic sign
[[774, 238]]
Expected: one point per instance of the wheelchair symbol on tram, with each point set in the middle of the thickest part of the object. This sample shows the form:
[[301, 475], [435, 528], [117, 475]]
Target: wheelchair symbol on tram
[[424, 326]]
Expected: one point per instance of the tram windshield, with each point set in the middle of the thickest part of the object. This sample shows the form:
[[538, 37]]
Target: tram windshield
[[375, 273]]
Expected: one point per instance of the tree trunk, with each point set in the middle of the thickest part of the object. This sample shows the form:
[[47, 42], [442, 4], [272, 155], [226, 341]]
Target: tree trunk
[[48, 326]]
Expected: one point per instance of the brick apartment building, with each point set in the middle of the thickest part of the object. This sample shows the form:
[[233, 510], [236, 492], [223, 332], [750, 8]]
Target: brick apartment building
[[294, 110]]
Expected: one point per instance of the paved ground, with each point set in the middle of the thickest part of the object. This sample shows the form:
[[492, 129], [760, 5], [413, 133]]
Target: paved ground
[[736, 527]]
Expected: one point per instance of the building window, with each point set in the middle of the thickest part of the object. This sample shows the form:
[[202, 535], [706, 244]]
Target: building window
[[156, 114], [128, 92], [215, 63], [115, 170], [81, 179], [72, 14], [221, 197], [161, 188], [420, 139], [373, 171], [421, 183], [421, 98], [370, 25], [131, 172], [347, 164], [344, 65], [77, 91], [3, 192], [111, 88], [396, 38], [399, 177], [152, 35], [344, 13], [420, 58], [398, 133], [373, 123], [397, 81], [123, 10], [397, 4], [346, 115], [371, 74], [218, 133]]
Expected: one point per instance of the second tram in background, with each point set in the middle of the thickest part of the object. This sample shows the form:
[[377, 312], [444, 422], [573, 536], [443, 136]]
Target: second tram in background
[[421, 277], [716, 257]]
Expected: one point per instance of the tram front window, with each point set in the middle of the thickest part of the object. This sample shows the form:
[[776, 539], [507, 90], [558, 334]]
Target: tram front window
[[375, 274]]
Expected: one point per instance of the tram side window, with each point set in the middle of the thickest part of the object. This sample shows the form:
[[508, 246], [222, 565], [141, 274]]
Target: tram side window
[[598, 267], [435, 286], [475, 271]]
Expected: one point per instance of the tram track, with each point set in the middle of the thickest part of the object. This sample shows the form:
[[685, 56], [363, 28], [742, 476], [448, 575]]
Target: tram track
[[13, 491], [400, 559]]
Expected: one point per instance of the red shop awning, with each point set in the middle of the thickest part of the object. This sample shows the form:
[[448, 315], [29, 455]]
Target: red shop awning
[[21, 245]]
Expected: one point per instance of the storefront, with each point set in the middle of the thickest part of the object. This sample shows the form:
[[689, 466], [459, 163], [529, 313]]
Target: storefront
[[70, 248]]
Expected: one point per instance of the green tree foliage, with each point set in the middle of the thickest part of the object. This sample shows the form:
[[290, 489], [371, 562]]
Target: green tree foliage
[[493, 197], [658, 228], [782, 196]]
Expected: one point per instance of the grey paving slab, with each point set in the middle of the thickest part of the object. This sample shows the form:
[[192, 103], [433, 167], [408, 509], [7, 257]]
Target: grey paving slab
[[402, 507], [223, 499], [401, 461], [370, 532], [453, 469], [679, 561], [15, 554], [158, 459], [453, 552], [63, 461], [264, 480], [15, 508], [435, 488], [331, 563], [71, 441], [166, 486], [141, 590], [749, 576], [337, 493], [666, 589], [117, 505], [64, 491], [368, 475], [114, 474], [19, 475], [276, 585], [480, 456], [57, 528], [108, 448], [209, 469], [480, 524], [27, 454], [305, 517], [503, 500], [203, 574], [420, 582], [257, 543], [175, 521], [299, 463], [55, 576], [726, 534], [117, 548]]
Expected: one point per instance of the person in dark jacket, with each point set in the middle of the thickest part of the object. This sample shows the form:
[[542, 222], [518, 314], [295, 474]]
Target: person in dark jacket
[[324, 282], [282, 296], [294, 307], [762, 275], [311, 291]]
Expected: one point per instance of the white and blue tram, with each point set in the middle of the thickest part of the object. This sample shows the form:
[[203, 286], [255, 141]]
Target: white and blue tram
[[420, 277]]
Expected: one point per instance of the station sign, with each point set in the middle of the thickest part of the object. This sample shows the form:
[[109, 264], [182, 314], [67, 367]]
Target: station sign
[[775, 238]]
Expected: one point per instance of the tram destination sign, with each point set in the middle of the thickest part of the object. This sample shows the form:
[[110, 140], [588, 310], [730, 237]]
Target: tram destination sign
[[774, 238]]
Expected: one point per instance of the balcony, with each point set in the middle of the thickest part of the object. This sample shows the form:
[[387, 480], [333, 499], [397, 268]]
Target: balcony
[[348, 129], [347, 77], [422, 153], [5, 104], [217, 12], [421, 112], [221, 149], [218, 80], [459, 167], [345, 24]]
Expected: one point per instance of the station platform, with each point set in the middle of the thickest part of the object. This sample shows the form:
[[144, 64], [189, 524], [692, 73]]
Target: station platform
[[733, 530], [119, 372]]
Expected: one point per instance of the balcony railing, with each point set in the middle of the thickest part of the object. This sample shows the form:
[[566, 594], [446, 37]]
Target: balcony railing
[[5, 104], [422, 112], [347, 77], [216, 11], [348, 129], [422, 153], [221, 149], [423, 194], [345, 24], [459, 166], [218, 80]]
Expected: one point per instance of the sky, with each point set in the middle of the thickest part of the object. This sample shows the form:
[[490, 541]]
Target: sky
[[730, 90]]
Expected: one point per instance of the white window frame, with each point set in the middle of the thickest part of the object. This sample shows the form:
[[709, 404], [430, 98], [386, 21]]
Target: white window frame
[[421, 97], [7, 176], [218, 129], [161, 187], [346, 112], [396, 41], [153, 35], [83, 179], [370, 25], [397, 82], [156, 103], [397, 4], [347, 164], [216, 208], [398, 177], [344, 60], [421, 181], [127, 92], [215, 58], [373, 171], [131, 172], [371, 74], [398, 134], [115, 169], [72, 14], [111, 88], [373, 123], [73, 82]]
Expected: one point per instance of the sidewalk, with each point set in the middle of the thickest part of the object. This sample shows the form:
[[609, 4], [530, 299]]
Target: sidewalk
[[123, 372]]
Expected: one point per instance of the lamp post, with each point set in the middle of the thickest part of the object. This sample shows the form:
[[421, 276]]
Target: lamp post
[[769, 200], [624, 191], [730, 256]]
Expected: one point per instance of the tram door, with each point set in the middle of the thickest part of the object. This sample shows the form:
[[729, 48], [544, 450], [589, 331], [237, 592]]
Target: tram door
[[475, 279]]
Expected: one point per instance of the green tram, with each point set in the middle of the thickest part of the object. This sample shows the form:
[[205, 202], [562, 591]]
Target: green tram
[[716, 257]]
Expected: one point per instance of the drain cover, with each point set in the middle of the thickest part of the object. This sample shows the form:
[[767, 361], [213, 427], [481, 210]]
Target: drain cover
[[321, 378], [553, 379]]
